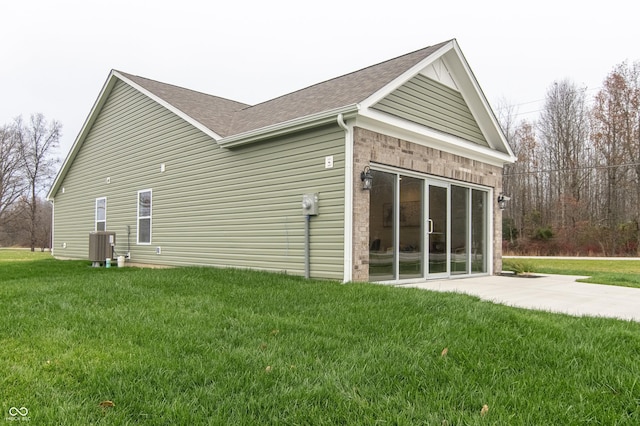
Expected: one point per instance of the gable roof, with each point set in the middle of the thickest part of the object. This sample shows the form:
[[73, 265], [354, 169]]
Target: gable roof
[[338, 92], [214, 112], [232, 123], [228, 118]]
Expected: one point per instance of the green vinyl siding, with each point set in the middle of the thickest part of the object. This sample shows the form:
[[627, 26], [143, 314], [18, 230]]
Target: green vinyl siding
[[432, 104], [212, 206]]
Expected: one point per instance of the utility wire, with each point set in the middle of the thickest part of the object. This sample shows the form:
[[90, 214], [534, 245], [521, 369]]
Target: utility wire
[[533, 172]]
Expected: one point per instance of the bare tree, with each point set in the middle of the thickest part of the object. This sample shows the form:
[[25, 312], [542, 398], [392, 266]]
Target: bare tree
[[38, 140], [564, 132], [616, 136], [43, 224], [12, 183], [578, 170], [522, 180]]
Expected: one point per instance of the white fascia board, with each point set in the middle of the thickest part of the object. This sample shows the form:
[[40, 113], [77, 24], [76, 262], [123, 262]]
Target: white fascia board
[[421, 135], [170, 107], [88, 122], [95, 110], [464, 78], [476, 100], [289, 126], [405, 76]]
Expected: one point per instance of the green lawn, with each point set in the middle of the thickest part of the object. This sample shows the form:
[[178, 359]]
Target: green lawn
[[600, 271], [14, 255], [209, 346]]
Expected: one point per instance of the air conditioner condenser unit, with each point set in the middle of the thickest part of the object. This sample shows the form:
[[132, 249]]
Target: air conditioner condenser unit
[[101, 244]]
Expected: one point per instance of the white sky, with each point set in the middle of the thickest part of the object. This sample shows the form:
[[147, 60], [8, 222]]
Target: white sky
[[57, 54]]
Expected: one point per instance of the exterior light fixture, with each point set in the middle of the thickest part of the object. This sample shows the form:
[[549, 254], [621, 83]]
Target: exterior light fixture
[[502, 201], [366, 178]]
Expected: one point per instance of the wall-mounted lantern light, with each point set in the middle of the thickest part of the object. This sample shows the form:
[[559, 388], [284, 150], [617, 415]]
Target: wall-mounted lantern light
[[502, 201], [366, 178]]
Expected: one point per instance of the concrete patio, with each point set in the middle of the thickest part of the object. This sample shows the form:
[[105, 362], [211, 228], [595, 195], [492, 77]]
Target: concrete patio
[[554, 293]]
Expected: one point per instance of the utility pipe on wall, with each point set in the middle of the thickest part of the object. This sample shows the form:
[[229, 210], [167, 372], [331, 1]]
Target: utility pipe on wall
[[307, 243], [309, 208]]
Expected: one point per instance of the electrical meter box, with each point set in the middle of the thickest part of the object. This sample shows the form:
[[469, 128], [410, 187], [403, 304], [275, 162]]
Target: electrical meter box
[[310, 204]]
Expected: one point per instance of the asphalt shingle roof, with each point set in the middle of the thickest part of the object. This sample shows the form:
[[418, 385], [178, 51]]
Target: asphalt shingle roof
[[227, 118], [214, 112]]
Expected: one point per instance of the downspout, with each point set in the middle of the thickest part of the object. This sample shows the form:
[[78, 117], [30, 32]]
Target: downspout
[[341, 123], [348, 200]]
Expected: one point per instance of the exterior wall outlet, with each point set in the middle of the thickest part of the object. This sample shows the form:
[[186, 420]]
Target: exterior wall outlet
[[328, 162], [158, 250]]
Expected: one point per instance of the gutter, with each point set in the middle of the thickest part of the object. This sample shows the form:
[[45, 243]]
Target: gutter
[[290, 126]]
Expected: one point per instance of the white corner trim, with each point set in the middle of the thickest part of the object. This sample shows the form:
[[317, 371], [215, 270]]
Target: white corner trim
[[490, 242], [348, 198]]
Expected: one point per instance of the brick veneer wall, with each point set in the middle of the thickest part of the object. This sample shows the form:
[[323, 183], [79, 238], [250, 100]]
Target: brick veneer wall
[[378, 148]]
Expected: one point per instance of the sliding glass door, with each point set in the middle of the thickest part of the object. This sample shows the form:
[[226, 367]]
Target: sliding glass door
[[422, 228]]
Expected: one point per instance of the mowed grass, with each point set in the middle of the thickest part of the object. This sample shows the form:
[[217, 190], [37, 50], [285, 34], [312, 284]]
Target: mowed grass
[[212, 346], [624, 273], [15, 255]]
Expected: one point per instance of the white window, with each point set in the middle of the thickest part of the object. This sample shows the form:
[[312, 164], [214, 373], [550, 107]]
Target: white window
[[101, 214], [144, 217]]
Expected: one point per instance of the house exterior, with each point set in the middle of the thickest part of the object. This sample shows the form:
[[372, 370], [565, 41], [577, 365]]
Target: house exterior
[[185, 178]]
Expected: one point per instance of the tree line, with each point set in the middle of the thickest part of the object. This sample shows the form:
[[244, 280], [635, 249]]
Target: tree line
[[575, 188], [27, 167]]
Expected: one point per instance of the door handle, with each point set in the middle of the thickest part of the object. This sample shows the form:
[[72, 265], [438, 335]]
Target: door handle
[[430, 226]]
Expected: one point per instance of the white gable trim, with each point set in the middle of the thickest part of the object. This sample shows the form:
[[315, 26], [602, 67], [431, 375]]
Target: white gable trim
[[459, 74], [395, 127], [438, 71], [91, 118], [478, 104], [404, 77], [114, 76], [168, 106]]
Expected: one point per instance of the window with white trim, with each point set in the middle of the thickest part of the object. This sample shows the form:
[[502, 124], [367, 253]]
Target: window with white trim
[[144, 216], [101, 214]]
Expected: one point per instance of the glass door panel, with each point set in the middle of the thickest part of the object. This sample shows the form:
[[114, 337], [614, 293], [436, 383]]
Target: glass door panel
[[459, 226], [478, 231], [382, 246], [437, 230], [410, 250]]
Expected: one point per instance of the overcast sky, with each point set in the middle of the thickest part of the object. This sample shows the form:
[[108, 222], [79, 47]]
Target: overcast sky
[[57, 54]]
